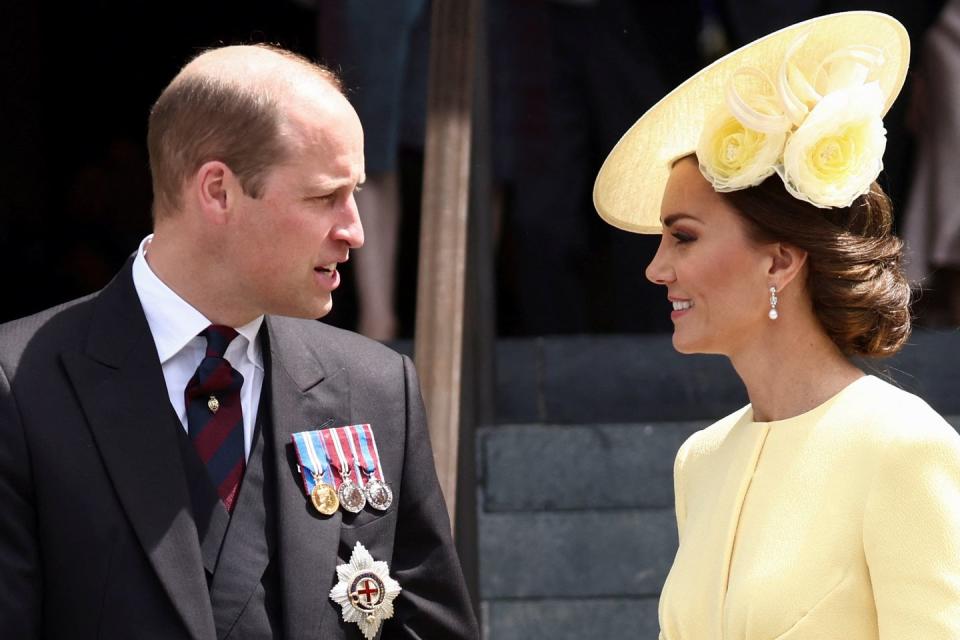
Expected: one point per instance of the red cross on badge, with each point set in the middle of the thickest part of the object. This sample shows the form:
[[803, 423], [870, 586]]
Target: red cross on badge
[[368, 588], [366, 591]]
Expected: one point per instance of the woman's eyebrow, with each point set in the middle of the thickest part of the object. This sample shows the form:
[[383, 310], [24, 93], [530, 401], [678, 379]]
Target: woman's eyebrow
[[675, 217]]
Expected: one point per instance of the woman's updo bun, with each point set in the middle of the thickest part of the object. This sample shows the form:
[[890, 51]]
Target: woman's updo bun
[[856, 279]]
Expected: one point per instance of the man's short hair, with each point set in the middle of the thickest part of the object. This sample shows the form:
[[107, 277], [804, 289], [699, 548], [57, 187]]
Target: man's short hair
[[200, 117]]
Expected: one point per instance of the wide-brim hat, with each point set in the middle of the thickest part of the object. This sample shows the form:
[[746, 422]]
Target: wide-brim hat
[[630, 185]]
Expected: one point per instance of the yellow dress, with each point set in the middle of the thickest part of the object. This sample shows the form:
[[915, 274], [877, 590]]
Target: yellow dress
[[842, 522]]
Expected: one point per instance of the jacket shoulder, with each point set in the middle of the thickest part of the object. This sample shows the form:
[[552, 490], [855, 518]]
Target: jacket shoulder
[[351, 345], [895, 416], [49, 329]]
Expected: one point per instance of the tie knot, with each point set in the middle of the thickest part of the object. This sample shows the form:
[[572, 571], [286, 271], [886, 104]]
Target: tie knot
[[218, 338]]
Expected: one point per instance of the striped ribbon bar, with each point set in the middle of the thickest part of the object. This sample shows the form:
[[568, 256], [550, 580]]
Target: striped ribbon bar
[[313, 460]]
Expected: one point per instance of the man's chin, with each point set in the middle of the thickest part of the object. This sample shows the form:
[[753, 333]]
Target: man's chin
[[313, 310], [324, 309]]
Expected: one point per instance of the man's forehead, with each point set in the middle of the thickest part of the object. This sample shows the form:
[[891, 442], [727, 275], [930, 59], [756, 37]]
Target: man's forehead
[[260, 68]]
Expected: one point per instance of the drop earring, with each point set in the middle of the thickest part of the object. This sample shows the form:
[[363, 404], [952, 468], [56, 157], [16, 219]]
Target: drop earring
[[773, 315]]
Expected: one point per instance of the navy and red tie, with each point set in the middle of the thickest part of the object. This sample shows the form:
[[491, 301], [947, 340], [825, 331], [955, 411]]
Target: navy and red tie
[[215, 415]]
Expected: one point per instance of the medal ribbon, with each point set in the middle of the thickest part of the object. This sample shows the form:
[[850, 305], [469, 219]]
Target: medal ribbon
[[345, 433], [308, 460], [315, 444], [330, 436], [341, 435], [363, 444], [368, 431]]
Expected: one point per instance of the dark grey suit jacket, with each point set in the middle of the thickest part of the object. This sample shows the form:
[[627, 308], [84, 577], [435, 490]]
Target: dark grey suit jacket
[[97, 535]]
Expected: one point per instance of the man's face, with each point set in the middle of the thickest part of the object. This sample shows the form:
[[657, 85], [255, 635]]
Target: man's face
[[286, 244]]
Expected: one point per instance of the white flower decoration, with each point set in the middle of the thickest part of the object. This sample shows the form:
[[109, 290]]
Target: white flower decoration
[[827, 147], [733, 156], [837, 153]]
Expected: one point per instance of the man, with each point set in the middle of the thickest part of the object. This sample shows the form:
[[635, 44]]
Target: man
[[123, 517]]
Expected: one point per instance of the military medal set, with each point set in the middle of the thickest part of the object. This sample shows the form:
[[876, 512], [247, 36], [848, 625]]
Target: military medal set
[[341, 469]]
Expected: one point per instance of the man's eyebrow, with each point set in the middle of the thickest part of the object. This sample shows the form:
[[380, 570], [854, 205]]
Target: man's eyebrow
[[334, 184], [673, 218]]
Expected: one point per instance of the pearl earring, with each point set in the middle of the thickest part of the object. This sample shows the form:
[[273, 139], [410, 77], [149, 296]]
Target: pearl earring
[[773, 304]]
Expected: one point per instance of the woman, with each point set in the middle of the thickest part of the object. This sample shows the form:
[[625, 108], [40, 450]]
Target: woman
[[829, 507]]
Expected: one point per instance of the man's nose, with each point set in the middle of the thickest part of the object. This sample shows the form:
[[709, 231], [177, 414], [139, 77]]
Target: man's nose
[[350, 229]]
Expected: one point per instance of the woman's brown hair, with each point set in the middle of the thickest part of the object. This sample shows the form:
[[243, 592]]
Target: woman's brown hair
[[855, 271]]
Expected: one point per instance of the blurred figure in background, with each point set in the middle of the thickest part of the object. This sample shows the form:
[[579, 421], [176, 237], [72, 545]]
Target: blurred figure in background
[[932, 230], [382, 49], [603, 62]]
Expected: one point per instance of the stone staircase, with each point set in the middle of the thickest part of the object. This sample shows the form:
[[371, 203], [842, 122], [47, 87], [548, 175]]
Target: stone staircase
[[575, 495]]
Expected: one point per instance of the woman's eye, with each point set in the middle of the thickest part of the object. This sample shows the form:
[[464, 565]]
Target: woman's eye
[[682, 237]]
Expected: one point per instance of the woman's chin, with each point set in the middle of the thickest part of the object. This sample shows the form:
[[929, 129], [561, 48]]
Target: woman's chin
[[686, 345], [681, 347]]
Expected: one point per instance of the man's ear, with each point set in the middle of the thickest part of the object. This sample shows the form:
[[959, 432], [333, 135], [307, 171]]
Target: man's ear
[[788, 261], [216, 190]]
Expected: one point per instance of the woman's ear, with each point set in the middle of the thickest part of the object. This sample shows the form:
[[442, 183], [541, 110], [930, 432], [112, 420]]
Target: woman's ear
[[788, 261]]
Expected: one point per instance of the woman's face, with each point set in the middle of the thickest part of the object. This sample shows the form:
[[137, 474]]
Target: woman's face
[[717, 278]]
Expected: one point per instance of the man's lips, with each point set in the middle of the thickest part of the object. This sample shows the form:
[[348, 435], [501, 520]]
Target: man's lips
[[330, 267], [327, 268]]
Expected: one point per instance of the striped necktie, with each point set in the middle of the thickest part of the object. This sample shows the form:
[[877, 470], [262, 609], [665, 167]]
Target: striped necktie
[[215, 415]]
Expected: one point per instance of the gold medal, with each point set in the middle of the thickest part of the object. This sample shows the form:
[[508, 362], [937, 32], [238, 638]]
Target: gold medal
[[324, 498]]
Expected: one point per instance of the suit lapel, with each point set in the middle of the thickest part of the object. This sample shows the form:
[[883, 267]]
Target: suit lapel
[[308, 387], [120, 385]]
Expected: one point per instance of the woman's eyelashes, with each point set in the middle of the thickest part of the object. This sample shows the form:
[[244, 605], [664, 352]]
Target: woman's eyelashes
[[682, 237]]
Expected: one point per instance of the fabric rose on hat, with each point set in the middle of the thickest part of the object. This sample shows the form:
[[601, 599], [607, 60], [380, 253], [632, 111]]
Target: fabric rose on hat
[[733, 156], [837, 152], [822, 135]]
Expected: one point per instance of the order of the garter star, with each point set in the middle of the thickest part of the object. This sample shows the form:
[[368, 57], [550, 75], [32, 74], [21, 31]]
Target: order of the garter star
[[365, 591]]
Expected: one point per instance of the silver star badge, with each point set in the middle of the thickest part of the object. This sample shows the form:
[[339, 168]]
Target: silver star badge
[[365, 591]]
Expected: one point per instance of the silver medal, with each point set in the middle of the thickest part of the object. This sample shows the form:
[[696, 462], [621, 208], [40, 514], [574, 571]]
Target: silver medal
[[379, 494], [351, 496]]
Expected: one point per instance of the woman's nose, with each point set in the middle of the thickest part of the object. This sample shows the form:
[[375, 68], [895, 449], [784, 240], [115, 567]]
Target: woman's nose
[[659, 271]]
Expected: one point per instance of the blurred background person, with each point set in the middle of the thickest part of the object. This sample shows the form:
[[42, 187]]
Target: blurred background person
[[382, 50], [932, 230]]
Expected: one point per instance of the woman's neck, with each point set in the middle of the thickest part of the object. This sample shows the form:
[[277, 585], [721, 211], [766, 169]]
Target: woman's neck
[[796, 371]]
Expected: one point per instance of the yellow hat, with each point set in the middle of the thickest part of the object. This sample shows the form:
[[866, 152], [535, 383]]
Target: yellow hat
[[797, 102]]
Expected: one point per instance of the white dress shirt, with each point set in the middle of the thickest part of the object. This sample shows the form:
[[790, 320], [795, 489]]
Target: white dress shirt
[[176, 326]]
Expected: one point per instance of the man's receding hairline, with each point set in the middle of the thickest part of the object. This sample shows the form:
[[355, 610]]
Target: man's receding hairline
[[256, 67]]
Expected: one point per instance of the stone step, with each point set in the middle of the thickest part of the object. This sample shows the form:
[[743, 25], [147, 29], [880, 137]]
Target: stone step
[[570, 619], [635, 378], [607, 379], [575, 554], [604, 379], [528, 468]]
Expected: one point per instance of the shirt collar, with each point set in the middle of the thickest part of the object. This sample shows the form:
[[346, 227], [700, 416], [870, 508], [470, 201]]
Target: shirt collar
[[172, 320]]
